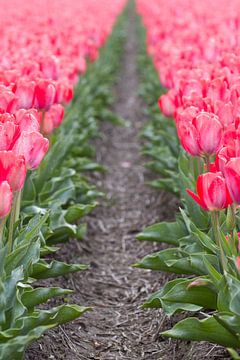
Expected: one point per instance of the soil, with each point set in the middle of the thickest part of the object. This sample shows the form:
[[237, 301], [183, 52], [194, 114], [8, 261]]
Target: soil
[[117, 328]]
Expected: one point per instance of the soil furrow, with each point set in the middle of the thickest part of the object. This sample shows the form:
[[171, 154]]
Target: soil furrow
[[117, 328]]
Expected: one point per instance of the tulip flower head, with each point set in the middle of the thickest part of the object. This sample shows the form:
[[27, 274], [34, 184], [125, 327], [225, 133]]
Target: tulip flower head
[[232, 176], [5, 199], [212, 192]]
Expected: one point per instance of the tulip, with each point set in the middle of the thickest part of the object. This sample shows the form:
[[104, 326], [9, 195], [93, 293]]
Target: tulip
[[212, 192], [49, 66], [8, 134], [202, 136], [44, 94], [167, 103], [8, 101], [28, 120], [33, 147], [232, 175], [25, 94], [64, 94], [53, 118], [12, 169], [5, 199]]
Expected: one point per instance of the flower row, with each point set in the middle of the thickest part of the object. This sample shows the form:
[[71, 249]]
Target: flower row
[[41, 60]]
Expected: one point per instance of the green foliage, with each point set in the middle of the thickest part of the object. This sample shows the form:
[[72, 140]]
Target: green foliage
[[55, 199], [212, 281]]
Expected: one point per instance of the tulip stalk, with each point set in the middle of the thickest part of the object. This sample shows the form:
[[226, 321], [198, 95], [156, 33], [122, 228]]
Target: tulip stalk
[[2, 227], [14, 216], [218, 238]]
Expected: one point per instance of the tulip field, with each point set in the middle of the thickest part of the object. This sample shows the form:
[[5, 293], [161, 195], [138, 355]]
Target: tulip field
[[120, 180]]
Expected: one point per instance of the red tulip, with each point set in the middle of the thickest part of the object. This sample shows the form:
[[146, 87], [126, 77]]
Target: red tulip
[[33, 147], [212, 192], [5, 199], [12, 169], [232, 175], [44, 94]]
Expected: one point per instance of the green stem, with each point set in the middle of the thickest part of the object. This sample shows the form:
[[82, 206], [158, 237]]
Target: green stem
[[207, 162], [14, 216], [217, 236], [2, 227], [42, 122]]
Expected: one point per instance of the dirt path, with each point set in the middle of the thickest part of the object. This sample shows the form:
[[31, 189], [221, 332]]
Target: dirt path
[[117, 329]]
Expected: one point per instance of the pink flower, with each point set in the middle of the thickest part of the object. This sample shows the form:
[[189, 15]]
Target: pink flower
[[33, 147], [25, 94], [232, 175], [5, 199], [212, 192], [202, 135], [44, 94], [12, 169], [53, 118]]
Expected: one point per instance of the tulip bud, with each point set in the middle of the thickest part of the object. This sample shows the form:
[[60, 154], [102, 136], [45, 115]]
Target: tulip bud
[[5, 199], [44, 94], [232, 175], [212, 192], [33, 147], [12, 169], [231, 219]]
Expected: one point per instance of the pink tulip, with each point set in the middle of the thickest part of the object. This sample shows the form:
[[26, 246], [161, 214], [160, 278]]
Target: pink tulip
[[202, 135], [33, 147], [5, 199], [12, 169], [44, 94], [8, 135], [64, 93], [168, 103], [232, 175], [49, 66], [212, 192], [25, 94], [28, 120], [53, 118]]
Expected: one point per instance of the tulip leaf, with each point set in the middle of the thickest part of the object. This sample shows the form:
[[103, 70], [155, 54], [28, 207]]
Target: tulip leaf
[[43, 270], [184, 294], [208, 329], [167, 232]]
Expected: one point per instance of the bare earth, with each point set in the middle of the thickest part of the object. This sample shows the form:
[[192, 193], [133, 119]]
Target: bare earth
[[117, 329]]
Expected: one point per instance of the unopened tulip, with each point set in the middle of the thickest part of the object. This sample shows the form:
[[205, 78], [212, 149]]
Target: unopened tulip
[[212, 192], [44, 94], [25, 94], [8, 135], [232, 175], [64, 93], [5, 199], [202, 136], [53, 118], [33, 147], [49, 66], [28, 120], [12, 169], [167, 103]]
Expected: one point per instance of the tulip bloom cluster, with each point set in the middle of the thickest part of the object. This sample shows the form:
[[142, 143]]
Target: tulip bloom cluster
[[196, 53], [41, 60]]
